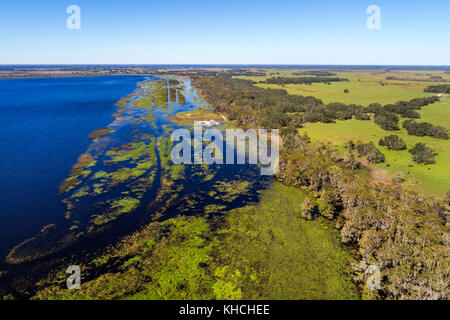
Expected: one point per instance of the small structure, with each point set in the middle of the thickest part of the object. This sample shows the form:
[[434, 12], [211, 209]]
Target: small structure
[[209, 123]]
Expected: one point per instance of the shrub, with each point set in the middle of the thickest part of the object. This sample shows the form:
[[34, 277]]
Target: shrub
[[411, 114], [308, 209], [371, 152], [443, 88], [387, 121], [393, 142], [438, 132], [423, 154], [362, 116], [424, 129]]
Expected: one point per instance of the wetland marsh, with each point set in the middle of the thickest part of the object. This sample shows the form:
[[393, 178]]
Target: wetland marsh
[[125, 206]]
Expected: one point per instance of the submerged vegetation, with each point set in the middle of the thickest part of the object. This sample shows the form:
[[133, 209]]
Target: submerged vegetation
[[262, 251]]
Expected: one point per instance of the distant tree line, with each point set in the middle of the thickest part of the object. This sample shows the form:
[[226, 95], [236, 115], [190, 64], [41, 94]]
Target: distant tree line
[[430, 79], [275, 108], [314, 73], [443, 88], [302, 80]]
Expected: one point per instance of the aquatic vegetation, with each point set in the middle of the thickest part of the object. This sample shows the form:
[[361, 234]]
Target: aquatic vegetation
[[176, 171], [230, 190], [84, 161], [81, 192], [131, 151], [264, 251], [213, 208], [165, 145], [99, 133], [133, 176], [100, 174], [118, 207]]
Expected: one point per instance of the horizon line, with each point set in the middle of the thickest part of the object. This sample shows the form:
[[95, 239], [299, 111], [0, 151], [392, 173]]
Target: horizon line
[[223, 64]]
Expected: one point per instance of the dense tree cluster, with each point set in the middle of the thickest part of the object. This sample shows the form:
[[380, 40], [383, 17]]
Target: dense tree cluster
[[314, 73], [253, 106], [302, 80], [275, 108], [405, 236], [412, 114], [393, 142], [369, 150], [422, 129], [443, 88], [387, 116], [387, 120], [423, 154]]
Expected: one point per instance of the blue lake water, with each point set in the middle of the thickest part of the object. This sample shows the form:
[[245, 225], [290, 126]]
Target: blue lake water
[[44, 127]]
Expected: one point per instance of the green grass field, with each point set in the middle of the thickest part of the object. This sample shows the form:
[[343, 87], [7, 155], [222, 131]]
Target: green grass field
[[297, 259], [364, 86], [428, 179]]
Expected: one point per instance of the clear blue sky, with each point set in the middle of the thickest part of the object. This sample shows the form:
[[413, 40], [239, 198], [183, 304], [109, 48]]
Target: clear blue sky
[[225, 32]]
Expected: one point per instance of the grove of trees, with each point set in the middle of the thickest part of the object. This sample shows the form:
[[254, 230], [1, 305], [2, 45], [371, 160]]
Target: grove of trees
[[425, 129], [393, 142], [302, 80], [443, 88], [423, 154]]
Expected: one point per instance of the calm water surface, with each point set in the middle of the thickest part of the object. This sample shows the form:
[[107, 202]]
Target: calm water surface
[[44, 127]]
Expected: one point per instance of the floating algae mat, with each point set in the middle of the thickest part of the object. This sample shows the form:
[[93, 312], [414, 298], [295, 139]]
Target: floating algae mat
[[126, 177]]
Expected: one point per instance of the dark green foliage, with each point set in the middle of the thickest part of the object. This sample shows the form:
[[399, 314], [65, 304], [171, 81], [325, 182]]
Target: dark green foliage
[[393, 142], [391, 228], [374, 108], [412, 114], [253, 106], [369, 150], [314, 73], [288, 131], [275, 108], [173, 82], [425, 129], [444, 88], [387, 120], [387, 116], [423, 154], [438, 132], [302, 80], [362, 116]]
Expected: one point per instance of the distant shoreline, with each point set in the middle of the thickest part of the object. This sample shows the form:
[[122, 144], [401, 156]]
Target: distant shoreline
[[18, 71]]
